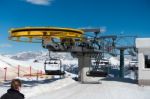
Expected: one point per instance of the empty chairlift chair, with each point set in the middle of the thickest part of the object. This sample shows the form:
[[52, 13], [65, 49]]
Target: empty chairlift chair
[[100, 70], [53, 67]]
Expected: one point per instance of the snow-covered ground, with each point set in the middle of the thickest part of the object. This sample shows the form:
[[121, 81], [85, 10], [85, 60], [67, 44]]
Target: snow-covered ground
[[33, 88], [65, 88], [69, 89], [106, 90]]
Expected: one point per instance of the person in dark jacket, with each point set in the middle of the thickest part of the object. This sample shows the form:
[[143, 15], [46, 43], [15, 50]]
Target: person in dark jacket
[[14, 91]]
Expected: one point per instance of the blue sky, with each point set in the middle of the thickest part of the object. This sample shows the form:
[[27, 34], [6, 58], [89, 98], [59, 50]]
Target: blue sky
[[131, 17]]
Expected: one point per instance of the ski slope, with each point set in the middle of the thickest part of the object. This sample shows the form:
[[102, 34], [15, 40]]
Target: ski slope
[[12, 65], [69, 89], [31, 88], [106, 90]]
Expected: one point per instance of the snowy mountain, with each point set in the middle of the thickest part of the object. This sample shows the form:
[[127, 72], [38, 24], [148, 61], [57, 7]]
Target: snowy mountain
[[43, 55], [40, 55], [25, 55]]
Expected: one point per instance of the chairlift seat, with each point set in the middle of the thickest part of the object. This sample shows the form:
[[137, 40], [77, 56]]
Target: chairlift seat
[[55, 63], [50, 63], [133, 68], [54, 72], [97, 73]]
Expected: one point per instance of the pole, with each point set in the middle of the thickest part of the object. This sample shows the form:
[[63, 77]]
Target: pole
[[121, 74], [18, 70], [37, 75], [30, 71], [5, 73], [41, 72], [60, 68]]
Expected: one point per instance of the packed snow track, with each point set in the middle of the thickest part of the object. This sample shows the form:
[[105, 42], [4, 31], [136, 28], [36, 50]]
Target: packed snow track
[[106, 90]]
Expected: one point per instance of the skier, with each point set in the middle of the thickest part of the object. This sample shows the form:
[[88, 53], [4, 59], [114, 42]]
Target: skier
[[14, 91]]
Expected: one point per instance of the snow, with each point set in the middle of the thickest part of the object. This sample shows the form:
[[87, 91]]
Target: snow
[[34, 89], [12, 67], [12, 64], [116, 61], [65, 88], [69, 62], [67, 74], [106, 90], [43, 88], [69, 89]]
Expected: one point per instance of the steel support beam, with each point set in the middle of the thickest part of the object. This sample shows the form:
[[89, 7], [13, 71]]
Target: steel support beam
[[121, 73]]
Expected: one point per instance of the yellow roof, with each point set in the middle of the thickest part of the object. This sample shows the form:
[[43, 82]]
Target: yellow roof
[[42, 32]]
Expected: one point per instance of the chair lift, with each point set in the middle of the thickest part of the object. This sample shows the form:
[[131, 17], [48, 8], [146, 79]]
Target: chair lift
[[98, 70], [53, 66]]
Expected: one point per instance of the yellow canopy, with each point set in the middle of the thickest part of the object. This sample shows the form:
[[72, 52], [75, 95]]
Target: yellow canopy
[[31, 33]]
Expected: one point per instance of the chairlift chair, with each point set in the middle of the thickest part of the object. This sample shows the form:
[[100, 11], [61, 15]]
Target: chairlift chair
[[55, 62], [94, 73], [100, 71]]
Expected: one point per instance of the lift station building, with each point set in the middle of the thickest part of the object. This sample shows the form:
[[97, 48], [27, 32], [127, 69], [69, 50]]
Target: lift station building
[[143, 46]]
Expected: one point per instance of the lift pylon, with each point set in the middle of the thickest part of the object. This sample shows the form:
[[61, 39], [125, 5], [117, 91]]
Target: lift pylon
[[69, 40]]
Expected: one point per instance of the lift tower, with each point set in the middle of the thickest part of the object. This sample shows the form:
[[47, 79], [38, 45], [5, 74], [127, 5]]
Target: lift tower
[[73, 41]]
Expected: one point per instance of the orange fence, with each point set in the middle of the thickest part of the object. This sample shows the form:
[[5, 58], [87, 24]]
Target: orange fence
[[9, 73]]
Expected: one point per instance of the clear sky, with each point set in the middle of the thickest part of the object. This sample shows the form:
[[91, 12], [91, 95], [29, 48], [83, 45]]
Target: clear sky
[[131, 17]]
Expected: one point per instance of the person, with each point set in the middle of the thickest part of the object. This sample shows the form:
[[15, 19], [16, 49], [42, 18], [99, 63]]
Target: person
[[14, 91]]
